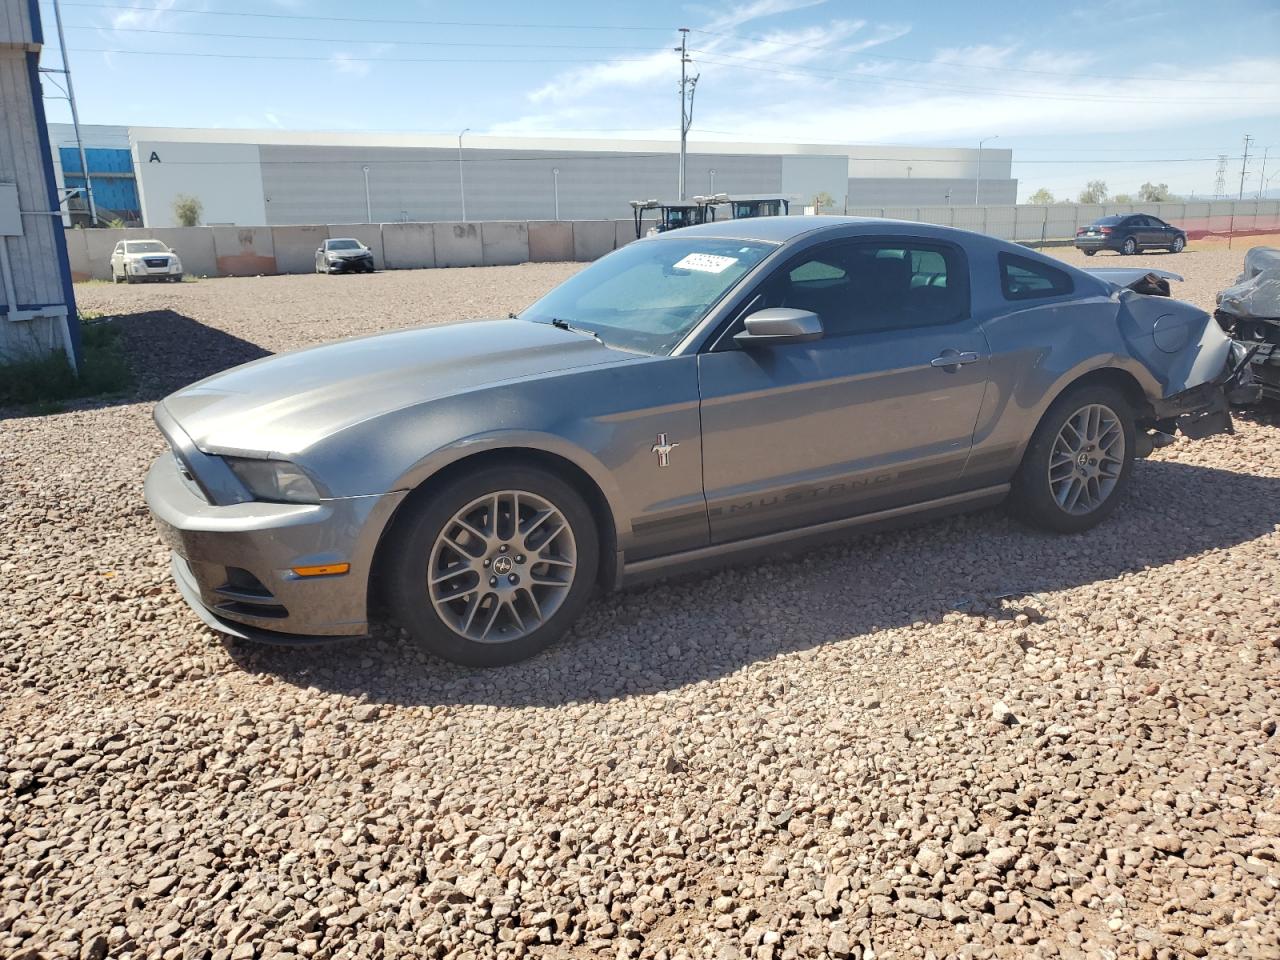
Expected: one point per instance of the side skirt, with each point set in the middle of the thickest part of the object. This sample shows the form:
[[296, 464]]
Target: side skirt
[[719, 554]]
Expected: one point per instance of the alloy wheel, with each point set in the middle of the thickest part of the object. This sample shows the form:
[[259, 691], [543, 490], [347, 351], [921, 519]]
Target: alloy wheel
[[1087, 459], [502, 566]]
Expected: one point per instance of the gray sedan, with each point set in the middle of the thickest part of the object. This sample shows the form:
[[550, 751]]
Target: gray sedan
[[706, 394]]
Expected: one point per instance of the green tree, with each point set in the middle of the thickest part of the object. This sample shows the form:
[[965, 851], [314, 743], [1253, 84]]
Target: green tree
[[1122, 198], [1042, 196], [1154, 192], [1095, 191], [820, 200], [187, 210]]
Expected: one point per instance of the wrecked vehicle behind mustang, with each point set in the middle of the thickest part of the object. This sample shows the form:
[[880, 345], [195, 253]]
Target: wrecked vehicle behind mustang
[[1249, 310]]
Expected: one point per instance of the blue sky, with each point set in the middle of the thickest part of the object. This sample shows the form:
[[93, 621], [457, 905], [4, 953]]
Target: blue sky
[[1122, 91]]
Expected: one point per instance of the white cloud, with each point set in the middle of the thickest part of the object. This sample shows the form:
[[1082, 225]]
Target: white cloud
[[136, 17], [345, 63]]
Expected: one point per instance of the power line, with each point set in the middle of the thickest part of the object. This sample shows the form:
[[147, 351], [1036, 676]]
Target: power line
[[349, 59], [979, 66], [399, 21], [416, 43], [897, 81]]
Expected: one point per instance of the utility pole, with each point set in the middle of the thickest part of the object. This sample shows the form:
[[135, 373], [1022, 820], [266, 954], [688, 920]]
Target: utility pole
[[688, 85], [1262, 177], [75, 114], [977, 180], [462, 186], [1220, 179], [1244, 164]]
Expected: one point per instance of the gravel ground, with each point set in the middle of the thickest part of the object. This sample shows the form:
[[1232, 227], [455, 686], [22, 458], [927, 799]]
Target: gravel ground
[[963, 739]]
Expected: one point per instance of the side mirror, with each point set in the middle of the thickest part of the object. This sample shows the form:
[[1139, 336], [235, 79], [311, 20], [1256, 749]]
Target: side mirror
[[780, 325]]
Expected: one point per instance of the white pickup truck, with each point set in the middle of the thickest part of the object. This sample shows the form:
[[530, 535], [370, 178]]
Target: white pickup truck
[[134, 260]]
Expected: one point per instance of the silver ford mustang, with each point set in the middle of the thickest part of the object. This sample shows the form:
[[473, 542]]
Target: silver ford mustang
[[706, 393]]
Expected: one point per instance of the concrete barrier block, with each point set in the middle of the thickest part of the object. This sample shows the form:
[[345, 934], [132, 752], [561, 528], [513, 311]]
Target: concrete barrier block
[[550, 240], [78, 254], [592, 239], [194, 246], [625, 232], [98, 246], [243, 251], [408, 246], [295, 247], [504, 242], [458, 245], [370, 234]]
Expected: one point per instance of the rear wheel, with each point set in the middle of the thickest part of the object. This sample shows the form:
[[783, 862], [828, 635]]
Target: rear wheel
[[1078, 462], [1129, 247], [1090, 253], [495, 566], [1178, 244]]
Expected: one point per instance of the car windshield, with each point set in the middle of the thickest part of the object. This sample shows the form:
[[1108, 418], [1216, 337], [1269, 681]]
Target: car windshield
[[648, 295], [145, 246], [344, 245]]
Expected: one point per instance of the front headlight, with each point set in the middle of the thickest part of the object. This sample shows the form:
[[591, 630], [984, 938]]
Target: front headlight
[[277, 481]]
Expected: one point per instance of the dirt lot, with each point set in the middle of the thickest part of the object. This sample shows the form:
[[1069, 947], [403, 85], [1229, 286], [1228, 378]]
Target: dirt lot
[[961, 739]]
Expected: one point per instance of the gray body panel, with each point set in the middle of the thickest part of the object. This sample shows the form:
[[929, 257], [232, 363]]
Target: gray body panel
[[774, 442]]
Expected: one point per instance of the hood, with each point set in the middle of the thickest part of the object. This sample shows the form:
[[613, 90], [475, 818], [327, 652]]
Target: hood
[[151, 256], [281, 405]]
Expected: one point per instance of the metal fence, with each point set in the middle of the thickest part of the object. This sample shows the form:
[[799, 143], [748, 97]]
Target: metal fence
[[1034, 222]]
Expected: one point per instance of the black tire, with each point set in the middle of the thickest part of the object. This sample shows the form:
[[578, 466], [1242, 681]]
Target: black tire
[[1129, 247], [410, 557], [1089, 253], [1178, 245], [1032, 499]]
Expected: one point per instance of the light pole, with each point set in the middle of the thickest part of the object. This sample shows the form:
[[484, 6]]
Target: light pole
[[978, 179], [555, 180], [368, 207], [462, 187], [713, 181]]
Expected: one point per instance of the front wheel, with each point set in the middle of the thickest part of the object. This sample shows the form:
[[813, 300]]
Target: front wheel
[[1130, 247], [1090, 253], [494, 566], [1078, 462], [1178, 244]]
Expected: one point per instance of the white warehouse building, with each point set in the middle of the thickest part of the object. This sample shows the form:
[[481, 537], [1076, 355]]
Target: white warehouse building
[[275, 177]]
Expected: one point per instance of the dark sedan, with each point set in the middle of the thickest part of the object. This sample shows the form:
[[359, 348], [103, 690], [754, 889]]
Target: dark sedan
[[1128, 234]]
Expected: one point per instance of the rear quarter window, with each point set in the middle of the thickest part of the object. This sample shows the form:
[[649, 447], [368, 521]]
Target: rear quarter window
[[1024, 279]]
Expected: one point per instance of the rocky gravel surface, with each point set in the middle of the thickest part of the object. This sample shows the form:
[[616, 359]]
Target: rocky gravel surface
[[963, 739]]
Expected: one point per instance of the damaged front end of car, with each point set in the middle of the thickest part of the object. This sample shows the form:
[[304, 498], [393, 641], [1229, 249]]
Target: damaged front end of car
[[1249, 311]]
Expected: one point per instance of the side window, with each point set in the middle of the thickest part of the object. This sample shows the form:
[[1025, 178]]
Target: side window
[[871, 286], [1025, 279], [120, 247]]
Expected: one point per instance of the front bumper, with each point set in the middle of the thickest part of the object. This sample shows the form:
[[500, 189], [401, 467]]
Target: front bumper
[[233, 563], [346, 264]]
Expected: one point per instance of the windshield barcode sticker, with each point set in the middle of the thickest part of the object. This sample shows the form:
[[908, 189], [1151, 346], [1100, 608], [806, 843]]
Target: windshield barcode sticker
[[705, 263]]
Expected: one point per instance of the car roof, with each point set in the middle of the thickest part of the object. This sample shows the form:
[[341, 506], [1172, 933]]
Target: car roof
[[783, 229], [343, 239]]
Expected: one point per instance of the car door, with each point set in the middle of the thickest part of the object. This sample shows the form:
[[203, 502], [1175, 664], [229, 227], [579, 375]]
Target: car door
[[880, 412], [1149, 233], [1161, 233], [117, 259]]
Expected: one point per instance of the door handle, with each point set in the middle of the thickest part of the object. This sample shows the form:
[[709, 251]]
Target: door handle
[[953, 358]]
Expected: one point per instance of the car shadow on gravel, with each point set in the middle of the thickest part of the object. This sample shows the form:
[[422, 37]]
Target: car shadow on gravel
[[167, 351], [684, 631]]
